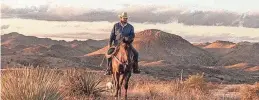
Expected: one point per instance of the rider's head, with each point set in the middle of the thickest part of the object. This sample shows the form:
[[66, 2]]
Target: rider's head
[[124, 17]]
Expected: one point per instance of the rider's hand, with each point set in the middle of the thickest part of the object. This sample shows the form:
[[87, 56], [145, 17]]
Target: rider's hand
[[126, 39]]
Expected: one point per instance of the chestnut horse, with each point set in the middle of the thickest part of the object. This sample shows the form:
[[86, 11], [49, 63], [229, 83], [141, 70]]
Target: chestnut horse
[[121, 68]]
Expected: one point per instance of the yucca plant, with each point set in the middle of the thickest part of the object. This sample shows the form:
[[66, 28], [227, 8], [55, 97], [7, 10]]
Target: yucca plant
[[80, 83], [30, 84]]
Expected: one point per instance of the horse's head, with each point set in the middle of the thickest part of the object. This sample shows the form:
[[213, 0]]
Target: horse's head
[[124, 51]]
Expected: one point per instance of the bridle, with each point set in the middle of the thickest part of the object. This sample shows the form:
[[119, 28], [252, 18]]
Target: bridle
[[124, 64], [119, 61]]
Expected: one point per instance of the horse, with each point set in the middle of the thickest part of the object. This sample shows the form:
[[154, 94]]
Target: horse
[[122, 63]]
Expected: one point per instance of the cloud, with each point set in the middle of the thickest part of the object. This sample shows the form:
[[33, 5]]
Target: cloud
[[223, 36], [79, 36], [57, 13], [152, 14], [50, 13], [5, 27], [138, 13], [71, 30]]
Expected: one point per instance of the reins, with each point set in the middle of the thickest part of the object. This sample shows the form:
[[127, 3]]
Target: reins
[[119, 61]]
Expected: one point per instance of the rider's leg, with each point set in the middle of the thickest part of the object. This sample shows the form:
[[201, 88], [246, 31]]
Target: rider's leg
[[135, 58]]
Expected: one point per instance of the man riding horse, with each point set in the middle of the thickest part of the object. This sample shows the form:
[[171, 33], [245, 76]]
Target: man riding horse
[[122, 31]]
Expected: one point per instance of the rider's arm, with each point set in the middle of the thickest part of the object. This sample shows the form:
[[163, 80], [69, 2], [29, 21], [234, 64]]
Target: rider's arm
[[112, 36], [131, 36]]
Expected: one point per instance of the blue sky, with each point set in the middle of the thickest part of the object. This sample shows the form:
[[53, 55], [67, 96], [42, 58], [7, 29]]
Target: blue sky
[[231, 5]]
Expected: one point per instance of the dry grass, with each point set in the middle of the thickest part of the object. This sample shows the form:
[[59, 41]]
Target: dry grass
[[31, 84], [193, 88], [49, 84], [79, 84], [248, 92]]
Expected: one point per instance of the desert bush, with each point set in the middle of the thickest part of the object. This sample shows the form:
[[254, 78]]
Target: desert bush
[[80, 83], [151, 90], [233, 89], [248, 92], [30, 84], [193, 88], [196, 82], [257, 86]]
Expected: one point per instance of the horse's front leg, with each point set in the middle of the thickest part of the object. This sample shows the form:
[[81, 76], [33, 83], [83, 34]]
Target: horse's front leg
[[126, 85], [117, 87], [121, 82], [113, 84]]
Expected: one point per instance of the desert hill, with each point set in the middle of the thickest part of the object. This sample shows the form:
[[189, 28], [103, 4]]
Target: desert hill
[[154, 45], [162, 55], [233, 54], [220, 44], [201, 45], [14, 43], [220, 48], [14, 39], [242, 54]]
